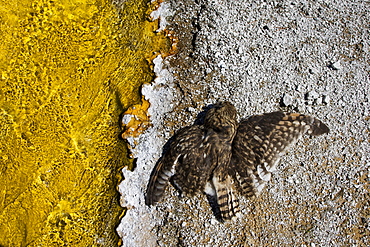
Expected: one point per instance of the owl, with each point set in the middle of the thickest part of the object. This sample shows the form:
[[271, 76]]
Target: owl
[[225, 159], [194, 153]]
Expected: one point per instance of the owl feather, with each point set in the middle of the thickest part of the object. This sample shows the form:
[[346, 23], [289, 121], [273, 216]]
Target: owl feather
[[226, 159], [194, 153], [257, 147]]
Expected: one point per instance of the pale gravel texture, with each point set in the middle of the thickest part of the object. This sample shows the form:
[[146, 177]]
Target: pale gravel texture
[[252, 54]]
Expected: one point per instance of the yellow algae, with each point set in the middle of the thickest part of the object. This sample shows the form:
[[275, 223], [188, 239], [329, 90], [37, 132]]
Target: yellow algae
[[68, 70]]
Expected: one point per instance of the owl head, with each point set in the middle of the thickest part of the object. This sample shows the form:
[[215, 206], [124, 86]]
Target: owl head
[[221, 116]]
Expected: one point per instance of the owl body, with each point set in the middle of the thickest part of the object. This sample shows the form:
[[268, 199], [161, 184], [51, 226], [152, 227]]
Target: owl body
[[225, 158], [194, 153]]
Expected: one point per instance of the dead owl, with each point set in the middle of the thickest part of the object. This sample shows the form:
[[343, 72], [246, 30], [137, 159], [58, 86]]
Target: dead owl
[[225, 158]]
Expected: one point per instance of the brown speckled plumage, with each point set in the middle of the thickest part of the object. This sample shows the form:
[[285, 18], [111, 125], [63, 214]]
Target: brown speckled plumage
[[225, 159]]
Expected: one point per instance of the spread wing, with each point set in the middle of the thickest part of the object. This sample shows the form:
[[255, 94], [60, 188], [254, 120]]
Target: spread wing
[[188, 161], [257, 147]]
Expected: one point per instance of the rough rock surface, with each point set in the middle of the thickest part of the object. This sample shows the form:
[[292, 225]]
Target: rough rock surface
[[253, 53]]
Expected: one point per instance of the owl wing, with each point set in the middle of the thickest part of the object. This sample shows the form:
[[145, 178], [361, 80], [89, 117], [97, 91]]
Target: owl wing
[[187, 161], [256, 150]]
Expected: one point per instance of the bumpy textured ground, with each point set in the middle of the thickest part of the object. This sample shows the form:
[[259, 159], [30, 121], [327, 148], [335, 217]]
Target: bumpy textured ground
[[310, 57]]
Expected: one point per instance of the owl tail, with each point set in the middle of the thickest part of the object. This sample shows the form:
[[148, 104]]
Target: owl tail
[[157, 184], [226, 200]]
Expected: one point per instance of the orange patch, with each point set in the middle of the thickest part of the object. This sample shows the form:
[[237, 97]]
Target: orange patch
[[135, 120]]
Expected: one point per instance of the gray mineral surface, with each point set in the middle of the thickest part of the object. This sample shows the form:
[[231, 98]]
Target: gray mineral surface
[[303, 56]]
